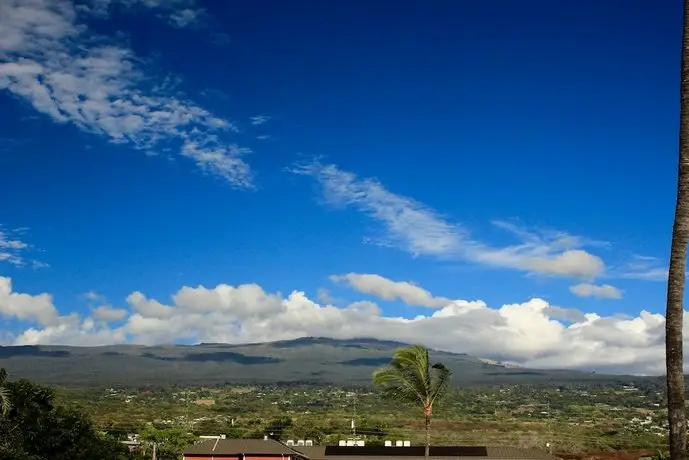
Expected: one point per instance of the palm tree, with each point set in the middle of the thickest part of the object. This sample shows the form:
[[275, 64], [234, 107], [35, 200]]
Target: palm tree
[[674, 359], [410, 378], [5, 402]]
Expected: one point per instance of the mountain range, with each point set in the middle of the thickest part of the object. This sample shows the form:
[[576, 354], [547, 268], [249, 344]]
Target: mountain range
[[313, 360]]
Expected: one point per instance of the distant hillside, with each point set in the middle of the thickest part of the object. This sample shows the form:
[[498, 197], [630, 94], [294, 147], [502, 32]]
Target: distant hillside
[[309, 359]]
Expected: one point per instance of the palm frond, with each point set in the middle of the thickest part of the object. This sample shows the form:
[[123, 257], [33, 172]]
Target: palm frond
[[440, 381], [397, 384], [410, 377], [5, 401]]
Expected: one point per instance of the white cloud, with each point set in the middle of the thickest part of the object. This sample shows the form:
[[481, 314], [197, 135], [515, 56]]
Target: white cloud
[[13, 249], [179, 13], [108, 314], [259, 120], [533, 333], [104, 311], [386, 289], [50, 59], [645, 268], [419, 230], [38, 308], [604, 291], [93, 296], [185, 17], [323, 295]]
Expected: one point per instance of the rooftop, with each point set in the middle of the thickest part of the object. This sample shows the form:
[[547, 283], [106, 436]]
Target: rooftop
[[270, 447], [240, 446], [417, 453]]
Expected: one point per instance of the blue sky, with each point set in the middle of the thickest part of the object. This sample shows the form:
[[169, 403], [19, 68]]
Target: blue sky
[[487, 151]]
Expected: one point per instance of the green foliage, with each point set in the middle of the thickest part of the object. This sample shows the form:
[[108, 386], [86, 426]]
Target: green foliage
[[661, 455], [307, 361], [5, 399], [410, 378], [276, 428], [572, 417], [168, 441], [36, 429], [211, 427]]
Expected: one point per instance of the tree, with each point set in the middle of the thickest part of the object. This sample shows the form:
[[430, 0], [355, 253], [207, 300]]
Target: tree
[[168, 441], [276, 428], [35, 429], [674, 359], [5, 400], [410, 378]]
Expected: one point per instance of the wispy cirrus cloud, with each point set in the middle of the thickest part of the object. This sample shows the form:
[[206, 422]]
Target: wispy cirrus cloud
[[418, 229], [644, 268], [50, 59], [259, 120], [178, 13], [13, 248], [186, 17]]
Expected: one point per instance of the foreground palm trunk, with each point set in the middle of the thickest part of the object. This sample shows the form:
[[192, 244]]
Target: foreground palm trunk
[[428, 410], [674, 357]]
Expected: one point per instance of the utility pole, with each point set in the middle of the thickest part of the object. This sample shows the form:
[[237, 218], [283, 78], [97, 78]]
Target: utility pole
[[154, 457], [354, 418]]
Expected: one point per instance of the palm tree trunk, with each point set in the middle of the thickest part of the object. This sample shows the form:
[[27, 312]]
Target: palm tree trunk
[[427, 452], [674, 357]]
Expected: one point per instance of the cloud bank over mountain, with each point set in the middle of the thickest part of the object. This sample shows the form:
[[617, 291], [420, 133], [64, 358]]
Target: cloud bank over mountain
[[532, 333]]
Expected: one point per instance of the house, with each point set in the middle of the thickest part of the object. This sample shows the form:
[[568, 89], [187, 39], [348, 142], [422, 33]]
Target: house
[[241, 449], [269, 449], [417, 453]]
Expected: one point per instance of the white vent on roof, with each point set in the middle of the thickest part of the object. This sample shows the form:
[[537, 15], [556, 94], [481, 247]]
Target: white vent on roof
[[407, 443], [350, 443], [300, 442], [399, 444], [388, 443], [290, 442], [342, 443], [308, 442]]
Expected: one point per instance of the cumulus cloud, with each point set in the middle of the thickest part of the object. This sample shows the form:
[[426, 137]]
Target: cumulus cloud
[[38, 308], [532, 333], [604, 291], [386, 289], [50, 59], [108, 314], [420, 230]]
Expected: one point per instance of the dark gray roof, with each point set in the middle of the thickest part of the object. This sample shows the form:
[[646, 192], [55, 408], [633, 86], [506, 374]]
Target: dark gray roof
[[441, 453], [272, 447], [240, 446]]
